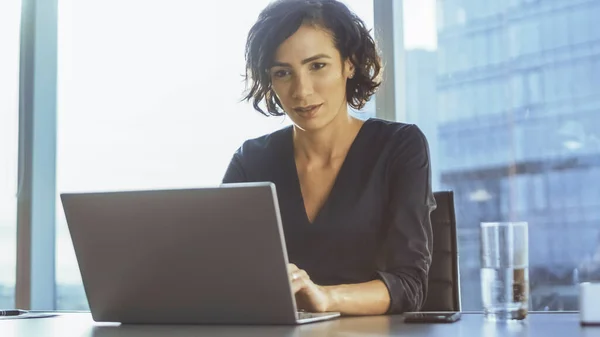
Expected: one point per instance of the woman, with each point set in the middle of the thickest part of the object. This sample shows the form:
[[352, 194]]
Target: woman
[[355, 196]]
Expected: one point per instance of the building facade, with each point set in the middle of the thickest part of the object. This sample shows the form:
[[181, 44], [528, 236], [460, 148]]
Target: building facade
[[518, 131]]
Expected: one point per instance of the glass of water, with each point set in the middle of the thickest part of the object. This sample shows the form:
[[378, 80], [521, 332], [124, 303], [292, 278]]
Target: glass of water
[[504, 270]]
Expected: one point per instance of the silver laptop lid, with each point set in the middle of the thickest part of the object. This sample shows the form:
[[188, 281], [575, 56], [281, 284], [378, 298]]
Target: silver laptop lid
[[208, 255]]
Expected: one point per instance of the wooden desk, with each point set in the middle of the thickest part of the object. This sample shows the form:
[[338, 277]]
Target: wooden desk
[[537, 324]]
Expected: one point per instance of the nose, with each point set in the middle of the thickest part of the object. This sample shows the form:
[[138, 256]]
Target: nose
[[302, 87]]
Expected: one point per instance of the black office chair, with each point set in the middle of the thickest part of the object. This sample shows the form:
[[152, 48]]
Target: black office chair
[[444, 285]]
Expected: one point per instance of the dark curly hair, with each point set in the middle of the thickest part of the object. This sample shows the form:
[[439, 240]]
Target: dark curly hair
[[281, 19]]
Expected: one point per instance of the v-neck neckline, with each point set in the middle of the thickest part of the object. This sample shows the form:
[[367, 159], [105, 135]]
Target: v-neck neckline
[[334, 186]]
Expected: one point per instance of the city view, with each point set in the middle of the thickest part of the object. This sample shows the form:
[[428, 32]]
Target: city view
[[516, 133]]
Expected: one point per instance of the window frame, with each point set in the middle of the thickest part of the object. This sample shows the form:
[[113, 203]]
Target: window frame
[[35, 276]]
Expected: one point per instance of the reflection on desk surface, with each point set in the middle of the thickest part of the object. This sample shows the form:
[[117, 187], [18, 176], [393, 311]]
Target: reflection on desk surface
[[471, 324], [357, 326]]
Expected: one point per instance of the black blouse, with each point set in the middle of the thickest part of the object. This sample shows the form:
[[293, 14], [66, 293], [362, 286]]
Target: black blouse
[[375, 223]]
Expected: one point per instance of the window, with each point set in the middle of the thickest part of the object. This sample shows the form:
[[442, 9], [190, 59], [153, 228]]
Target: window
[[450, 65], [494, 46], [514, 3], [558, 81], [470, 10], [481, 101], [153, 104], [594, 13], [550, 83], [440, 18], [583, 84], [530, 40], [534, 163], [443, 104], [449, 13], [497, 7], [559, 28], [517, 90], [514, 49], [482, 8], [524, 36], [581, 21], [534, 87], [9, 119], [564, 77]]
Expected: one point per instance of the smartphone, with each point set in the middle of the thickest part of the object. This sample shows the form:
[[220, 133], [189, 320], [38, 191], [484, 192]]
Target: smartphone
[[431, 317]]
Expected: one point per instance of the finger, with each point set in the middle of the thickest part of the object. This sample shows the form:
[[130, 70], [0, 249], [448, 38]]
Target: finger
[[298, 274], [297, 286], [302, 274], [299, 280], [292, 268]]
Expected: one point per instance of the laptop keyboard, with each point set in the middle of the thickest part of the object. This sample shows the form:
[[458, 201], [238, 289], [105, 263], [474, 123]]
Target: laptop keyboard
[[306, 315]]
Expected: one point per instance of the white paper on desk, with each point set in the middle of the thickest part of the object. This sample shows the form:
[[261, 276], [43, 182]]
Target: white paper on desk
[[29, 315]]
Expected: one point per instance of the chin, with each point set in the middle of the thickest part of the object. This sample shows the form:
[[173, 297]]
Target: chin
[[312, 124], [317, 122]]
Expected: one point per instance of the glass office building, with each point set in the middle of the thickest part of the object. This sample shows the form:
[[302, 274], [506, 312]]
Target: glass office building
[[517, 130]]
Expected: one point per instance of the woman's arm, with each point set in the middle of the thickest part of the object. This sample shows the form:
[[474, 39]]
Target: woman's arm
[[369, 298], [406, 254]]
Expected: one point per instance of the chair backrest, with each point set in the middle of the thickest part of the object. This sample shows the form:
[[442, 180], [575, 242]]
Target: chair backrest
[[444, 283]]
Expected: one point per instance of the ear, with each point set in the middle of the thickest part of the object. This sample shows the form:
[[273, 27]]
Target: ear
[[348, 69]]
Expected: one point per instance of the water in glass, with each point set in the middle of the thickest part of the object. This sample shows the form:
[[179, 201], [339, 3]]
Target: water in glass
[[504, 270]]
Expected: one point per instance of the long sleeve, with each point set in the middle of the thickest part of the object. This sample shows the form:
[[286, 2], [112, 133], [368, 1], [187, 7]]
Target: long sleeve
[[406, 255]]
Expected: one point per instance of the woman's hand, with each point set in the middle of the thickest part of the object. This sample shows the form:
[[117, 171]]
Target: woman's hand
[[309, 296]]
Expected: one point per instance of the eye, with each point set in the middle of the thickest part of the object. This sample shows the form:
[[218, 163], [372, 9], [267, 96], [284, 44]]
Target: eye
[[317, 66], [280, 73]]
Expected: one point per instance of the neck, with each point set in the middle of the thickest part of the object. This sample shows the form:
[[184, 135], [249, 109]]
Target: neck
[[328, 143]]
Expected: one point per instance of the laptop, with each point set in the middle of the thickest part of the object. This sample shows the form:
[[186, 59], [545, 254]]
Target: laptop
[[184, 256]]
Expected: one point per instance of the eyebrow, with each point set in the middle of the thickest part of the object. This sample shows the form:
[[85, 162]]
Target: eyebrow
[[305, 61]]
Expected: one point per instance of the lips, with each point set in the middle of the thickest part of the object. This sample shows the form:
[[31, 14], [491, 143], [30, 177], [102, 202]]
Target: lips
[[308, 110]]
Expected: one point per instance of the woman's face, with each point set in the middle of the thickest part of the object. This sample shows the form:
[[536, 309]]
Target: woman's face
[[309, 78]]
